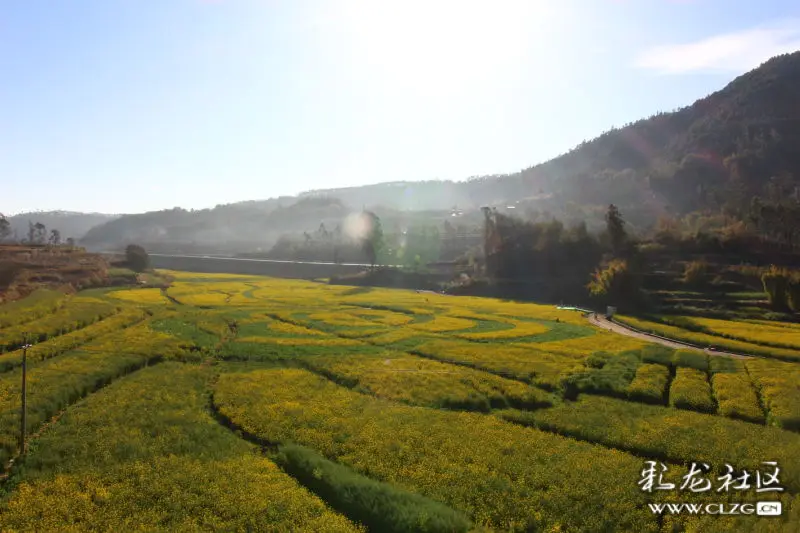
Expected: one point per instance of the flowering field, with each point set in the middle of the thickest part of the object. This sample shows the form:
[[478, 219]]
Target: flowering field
[[148, 296], [241, 403], [38, 304], [737, 336], [147, 450]]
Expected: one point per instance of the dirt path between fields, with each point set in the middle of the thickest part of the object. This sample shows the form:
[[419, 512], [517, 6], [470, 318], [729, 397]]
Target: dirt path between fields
[[602, 322]]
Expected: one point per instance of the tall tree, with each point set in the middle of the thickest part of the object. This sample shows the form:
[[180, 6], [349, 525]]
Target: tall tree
[[616, 285], [5, 227], [615, 225], [55, 237], [336, 238], [776, 282], [40, 233], [372, 240]]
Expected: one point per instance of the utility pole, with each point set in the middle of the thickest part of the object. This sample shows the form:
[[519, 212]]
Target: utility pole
[[24, 413]]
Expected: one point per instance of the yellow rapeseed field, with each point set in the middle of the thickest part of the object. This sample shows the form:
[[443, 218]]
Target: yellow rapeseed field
[[301, 341], [419, 381], [758, 333], [510, 415], [705, 339], [146, 455], [292, 329], [472, 462], [148, 296]]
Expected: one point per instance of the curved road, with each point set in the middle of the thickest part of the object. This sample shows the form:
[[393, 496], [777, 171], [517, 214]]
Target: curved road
[[602, 322]]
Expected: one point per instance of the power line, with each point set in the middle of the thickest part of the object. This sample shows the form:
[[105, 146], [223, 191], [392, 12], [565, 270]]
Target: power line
[[24, 392]]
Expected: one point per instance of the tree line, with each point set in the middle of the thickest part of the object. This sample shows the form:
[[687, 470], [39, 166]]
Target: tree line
[[363, 238], [559, 263], [37, 234]]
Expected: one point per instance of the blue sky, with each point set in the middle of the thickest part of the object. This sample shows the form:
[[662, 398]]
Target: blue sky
[[128, 106]]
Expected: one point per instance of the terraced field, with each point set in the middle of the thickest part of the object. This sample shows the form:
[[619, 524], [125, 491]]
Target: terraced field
[[739, 336], [241, 403]]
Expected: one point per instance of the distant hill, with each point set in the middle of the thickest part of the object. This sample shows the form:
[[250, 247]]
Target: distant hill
[[234, 227], [721, 149], [68, 223], [714, 154]]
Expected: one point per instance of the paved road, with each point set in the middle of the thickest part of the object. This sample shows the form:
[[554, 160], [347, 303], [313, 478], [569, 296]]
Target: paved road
[[602, 322]]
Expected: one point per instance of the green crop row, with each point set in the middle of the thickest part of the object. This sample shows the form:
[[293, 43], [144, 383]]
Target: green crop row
[[667, 434], [56, 383], [418, 381], [690, 390], [650, 384], [379, 506], [38, 304], [77, 314], [706, 339], [58, 345], [538, 366], [779, 387], [736, 397]]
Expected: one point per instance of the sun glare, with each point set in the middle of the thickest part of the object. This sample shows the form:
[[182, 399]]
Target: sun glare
[[443, 43]]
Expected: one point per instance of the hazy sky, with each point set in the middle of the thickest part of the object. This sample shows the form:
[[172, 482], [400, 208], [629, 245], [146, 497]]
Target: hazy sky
[[127, 106]]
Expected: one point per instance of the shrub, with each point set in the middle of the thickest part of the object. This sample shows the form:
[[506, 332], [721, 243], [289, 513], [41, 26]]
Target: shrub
[[617, 285], [599, 359], [793, 293], [136, 258], [696, 273]]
